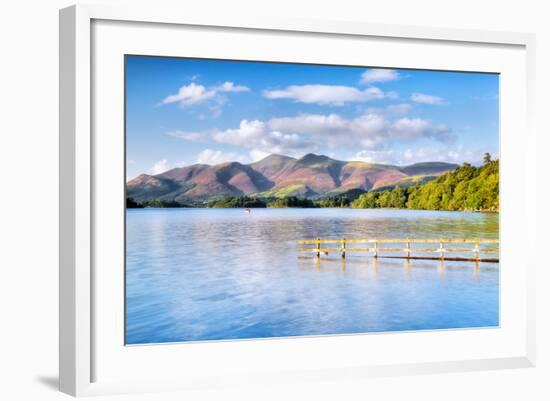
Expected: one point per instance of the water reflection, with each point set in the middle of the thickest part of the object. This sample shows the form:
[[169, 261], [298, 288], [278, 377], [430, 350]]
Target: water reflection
[[407, 265], [199, 274]]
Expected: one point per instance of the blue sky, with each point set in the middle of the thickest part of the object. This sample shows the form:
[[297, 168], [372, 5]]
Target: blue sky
[[184, 111]]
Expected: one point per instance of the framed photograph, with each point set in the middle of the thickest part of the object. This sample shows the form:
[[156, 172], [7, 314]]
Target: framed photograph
[[265, 200]]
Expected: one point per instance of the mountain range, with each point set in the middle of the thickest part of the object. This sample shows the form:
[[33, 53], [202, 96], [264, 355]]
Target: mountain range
[[312, 176]]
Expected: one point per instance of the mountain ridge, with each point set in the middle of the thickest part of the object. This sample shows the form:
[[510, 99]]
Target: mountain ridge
[[277, 175]]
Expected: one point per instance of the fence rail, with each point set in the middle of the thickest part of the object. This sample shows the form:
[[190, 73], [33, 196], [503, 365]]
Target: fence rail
[[406, 250]]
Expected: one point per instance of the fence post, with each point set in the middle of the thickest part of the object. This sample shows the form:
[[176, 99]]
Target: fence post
[[343, 248], [375, 248], [477, 250], [441, 256], [408, 249], [318, 246]]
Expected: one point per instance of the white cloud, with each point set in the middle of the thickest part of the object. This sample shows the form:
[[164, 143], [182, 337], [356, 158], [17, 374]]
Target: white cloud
[[311, 124], [257, 154], [189, 95], [374, 156], [375, 133], [187, 135], [334, 95], [210, 156], [248, 132], [216, 108], [159, 167], [427, 99], [332, 127], [193, 93], [455, 154], [295, 136], [378, 75], [417, 127], [402, 108], [370, 130], [162, 165], [259, 137], [231, 87]]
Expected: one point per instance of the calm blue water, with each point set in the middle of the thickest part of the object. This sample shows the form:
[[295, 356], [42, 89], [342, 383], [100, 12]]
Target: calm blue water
[[212, 274]]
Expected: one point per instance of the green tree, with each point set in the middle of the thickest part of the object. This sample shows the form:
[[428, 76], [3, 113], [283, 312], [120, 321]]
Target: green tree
[[291, 201], [384, 199], [237, 202], [366, 201], [397, 198], [466, 188]]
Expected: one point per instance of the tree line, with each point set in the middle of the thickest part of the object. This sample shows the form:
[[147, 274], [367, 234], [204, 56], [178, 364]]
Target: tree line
[[467, 188], [156, 203], [252, 202]]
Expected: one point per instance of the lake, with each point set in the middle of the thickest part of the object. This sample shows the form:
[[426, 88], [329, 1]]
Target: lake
[[218, 274]]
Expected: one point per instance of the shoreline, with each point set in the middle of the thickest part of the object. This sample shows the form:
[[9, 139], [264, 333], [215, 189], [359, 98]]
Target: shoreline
[[297, 207]]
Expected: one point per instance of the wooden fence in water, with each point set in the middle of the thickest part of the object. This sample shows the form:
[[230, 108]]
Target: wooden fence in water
[[477, 251]]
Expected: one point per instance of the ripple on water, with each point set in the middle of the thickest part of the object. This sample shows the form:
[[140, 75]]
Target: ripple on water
[[212, 274]]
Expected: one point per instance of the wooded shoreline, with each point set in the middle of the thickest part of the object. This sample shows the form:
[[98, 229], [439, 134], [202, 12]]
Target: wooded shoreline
[[467, 189]]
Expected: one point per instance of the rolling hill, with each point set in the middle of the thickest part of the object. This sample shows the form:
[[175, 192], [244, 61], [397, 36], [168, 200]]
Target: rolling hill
[[311, 176]]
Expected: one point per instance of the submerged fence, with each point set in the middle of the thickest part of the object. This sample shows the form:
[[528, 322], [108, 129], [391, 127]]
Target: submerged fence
[[479, 250]]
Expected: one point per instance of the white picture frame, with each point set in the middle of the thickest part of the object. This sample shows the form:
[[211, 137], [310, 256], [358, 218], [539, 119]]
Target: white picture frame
[[80, 217]]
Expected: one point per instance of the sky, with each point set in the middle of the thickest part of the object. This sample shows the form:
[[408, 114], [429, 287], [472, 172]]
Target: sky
[[183, 111]]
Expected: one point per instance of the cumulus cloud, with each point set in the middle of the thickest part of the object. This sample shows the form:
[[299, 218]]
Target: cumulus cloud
[[333, 95], [334, 130], [427, 99], [248, 131], [374, 156], [319, 124], [258, 137], [210, 156], [456, 154], [189, 95], [162, 165], [369, 130], [378, 75], [443, 153], [371, 136], [257, 154], [159, 167], [192, 94], [417, 127], [231, 87], [435, 154]]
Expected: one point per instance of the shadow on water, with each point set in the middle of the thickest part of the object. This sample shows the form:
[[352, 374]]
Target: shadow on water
[[328, 263]]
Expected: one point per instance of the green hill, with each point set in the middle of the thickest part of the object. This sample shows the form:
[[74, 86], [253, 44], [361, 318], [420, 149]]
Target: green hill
[[467, 188], [311, 176]]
